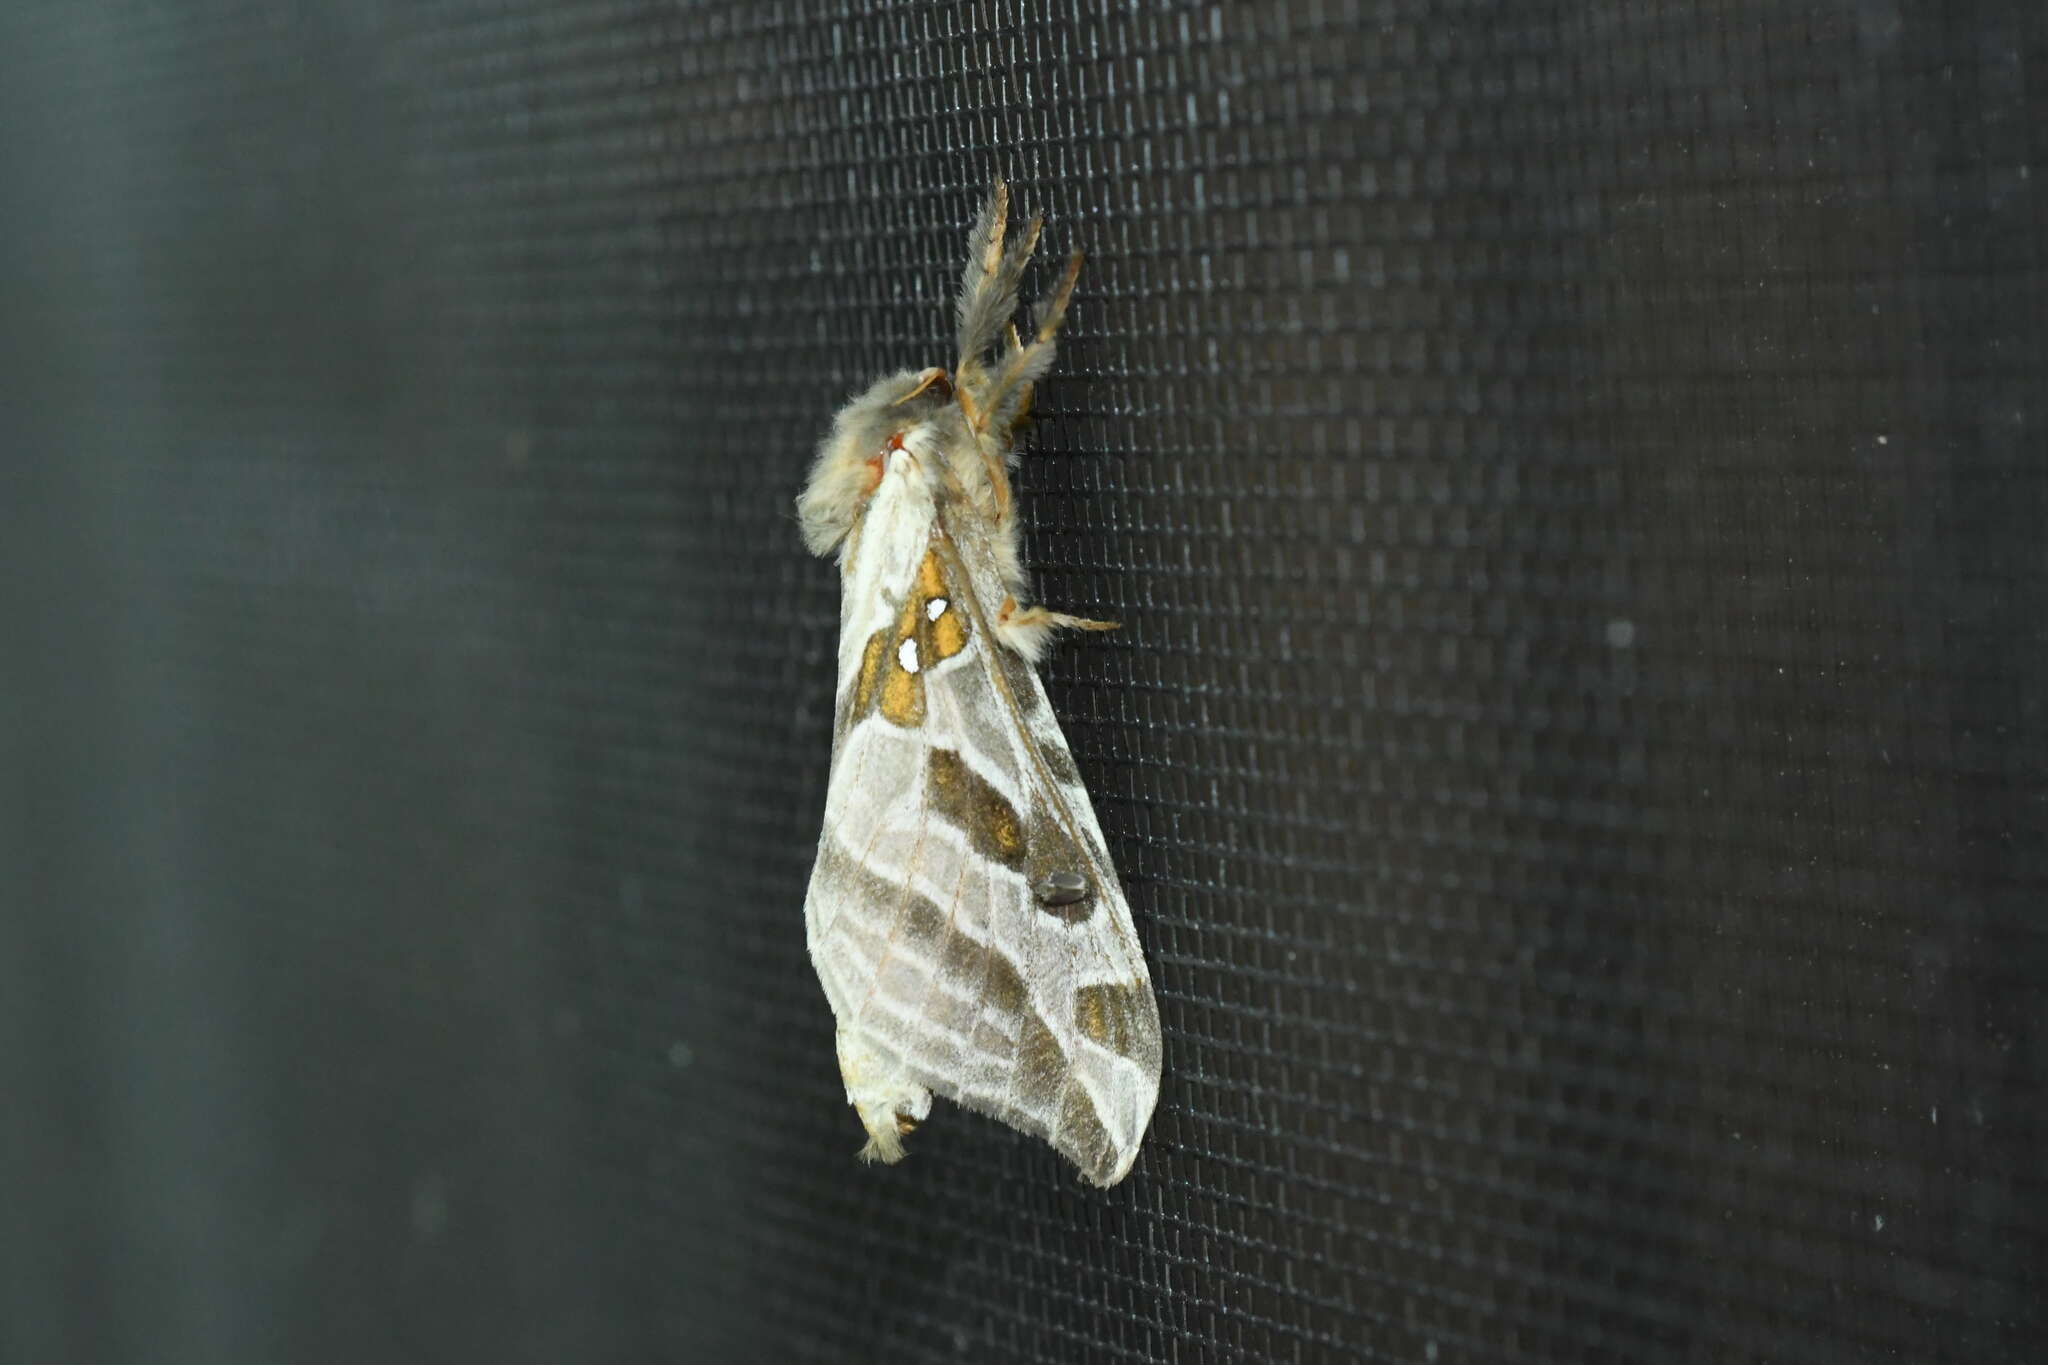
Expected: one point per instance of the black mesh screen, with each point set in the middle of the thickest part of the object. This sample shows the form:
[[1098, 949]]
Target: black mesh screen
[[1572, 478]]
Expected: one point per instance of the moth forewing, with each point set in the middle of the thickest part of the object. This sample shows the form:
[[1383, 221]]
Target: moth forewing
[[963, 915]]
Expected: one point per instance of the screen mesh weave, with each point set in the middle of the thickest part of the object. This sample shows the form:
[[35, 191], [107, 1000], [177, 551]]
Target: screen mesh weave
[[1571, 479]]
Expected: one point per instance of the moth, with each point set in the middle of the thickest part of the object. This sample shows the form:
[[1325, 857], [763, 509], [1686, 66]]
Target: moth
[[963, 914]]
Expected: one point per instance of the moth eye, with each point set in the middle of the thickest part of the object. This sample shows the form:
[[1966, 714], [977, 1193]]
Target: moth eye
[[1060, 888]]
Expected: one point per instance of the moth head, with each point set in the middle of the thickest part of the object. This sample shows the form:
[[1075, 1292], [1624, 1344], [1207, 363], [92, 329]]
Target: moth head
[[899, 411]]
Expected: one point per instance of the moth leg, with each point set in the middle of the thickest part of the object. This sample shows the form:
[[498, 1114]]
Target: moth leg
[[1024, 393], [1023, 416], [999, 480], [965, 395], [1058, 620], [1005, 396], [1055, 311], [988, 288], [996, 401], [933, 378], [1028, 630], [988, 296]]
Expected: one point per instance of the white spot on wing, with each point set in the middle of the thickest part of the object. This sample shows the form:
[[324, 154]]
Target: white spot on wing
[[906, 655], [934, 609]]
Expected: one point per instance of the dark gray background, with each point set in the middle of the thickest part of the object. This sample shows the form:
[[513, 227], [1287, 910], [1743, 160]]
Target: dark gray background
[[1572, 477]]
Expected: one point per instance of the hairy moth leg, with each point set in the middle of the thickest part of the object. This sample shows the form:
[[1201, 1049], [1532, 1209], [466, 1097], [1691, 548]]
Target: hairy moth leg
[[1028, 630]]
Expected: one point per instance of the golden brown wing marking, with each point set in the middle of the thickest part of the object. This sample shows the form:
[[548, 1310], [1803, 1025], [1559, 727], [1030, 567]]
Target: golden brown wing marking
[[931, 617], [902, 693], [867, 680], [1033, 844], [929, 629], [965, 800], [1109, 1014]]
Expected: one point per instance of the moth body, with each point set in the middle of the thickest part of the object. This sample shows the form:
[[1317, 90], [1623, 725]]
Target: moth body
[[964, 916]]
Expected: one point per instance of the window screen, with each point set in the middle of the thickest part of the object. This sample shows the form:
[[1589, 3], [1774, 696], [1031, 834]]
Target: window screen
[[1571, 479]]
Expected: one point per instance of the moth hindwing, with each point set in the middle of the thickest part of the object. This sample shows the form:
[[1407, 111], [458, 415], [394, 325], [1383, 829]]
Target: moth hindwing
[[963, 915]]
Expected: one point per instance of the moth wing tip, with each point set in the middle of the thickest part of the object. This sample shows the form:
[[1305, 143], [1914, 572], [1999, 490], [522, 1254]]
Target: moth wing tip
[[1101, 1179]]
